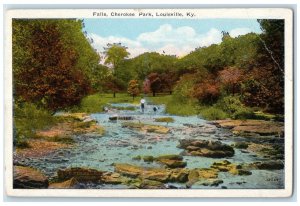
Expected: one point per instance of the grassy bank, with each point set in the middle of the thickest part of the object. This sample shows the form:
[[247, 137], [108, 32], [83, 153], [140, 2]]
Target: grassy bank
[[95, 103], [175, 107]]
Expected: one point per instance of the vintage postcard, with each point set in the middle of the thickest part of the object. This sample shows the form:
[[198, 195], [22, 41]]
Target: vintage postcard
[[149, 102]]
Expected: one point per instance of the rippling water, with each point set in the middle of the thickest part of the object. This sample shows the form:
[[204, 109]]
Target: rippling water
[[119, 145]]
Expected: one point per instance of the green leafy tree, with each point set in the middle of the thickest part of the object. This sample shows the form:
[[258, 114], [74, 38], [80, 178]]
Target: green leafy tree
[[115, 55]]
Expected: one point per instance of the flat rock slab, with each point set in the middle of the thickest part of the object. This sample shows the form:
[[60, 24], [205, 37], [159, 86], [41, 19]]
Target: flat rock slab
[[260, 127], [146, 127], [80, 174], [29, 178]]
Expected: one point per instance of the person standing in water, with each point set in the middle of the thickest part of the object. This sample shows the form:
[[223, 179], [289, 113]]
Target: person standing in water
[[143, 104]]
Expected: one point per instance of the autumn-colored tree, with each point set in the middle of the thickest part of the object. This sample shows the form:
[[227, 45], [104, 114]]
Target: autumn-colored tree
[[46, 65], [146, 86], [168, 81], [133, 88], [155, 83], [207, 91], [231, 78]]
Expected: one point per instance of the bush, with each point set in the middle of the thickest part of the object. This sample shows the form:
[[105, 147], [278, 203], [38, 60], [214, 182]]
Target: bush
[[243, 113], [212, 113], [234, 108], [27, 119]]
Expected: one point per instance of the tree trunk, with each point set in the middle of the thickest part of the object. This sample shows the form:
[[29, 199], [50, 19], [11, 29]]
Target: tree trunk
[[153, 93], [114, 94], [133, 97], [170, 92]]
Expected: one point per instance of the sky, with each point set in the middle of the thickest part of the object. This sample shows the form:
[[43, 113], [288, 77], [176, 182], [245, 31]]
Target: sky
[[169, 36]]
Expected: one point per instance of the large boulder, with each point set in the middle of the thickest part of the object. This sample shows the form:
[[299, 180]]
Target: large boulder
[[29, 178], [80, 174], [205, 148]]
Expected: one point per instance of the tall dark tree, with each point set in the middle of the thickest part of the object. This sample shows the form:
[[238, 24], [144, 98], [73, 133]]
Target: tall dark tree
[[47, 67]]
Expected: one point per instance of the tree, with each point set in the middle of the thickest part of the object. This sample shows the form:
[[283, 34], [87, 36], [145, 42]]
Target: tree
[[168, 81], [47, 62], [264, 86], [155, 83], [231, 78], [146, 86], [133, 88], [207, 91], [115, 54]]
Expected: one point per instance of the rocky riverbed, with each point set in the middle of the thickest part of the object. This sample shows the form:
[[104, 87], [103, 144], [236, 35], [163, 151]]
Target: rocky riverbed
[[154, 150]]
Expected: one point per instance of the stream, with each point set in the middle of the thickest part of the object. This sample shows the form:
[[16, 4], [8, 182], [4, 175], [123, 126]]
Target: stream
[[120, 145]]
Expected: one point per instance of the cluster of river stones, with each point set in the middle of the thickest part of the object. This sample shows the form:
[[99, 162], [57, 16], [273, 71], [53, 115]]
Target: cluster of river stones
[[172, 171]]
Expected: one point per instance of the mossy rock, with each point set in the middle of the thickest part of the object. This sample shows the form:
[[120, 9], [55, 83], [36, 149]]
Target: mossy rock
[[137, 157], [241, 145], [173, 163], [148, 158], [164, 119], [170, 157], [146, 127]]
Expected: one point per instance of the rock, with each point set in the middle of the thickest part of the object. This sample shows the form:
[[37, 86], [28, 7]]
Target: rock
[[241, 145], [170, 157], [242, 172], [211, 182], [202, 174], [149, 147], [146, 127], [114, 118], [179, 175], [28, 178], [112, 178], [223, 187], [80, 174], [157, 174], [69, 184], [226, 166], [148, 158], [137, 157], [270, 165], [246, 127], [173, 163], [214, 149], [150, 184]]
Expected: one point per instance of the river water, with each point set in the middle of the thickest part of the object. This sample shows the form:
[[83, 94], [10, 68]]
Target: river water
[[120, 145]]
